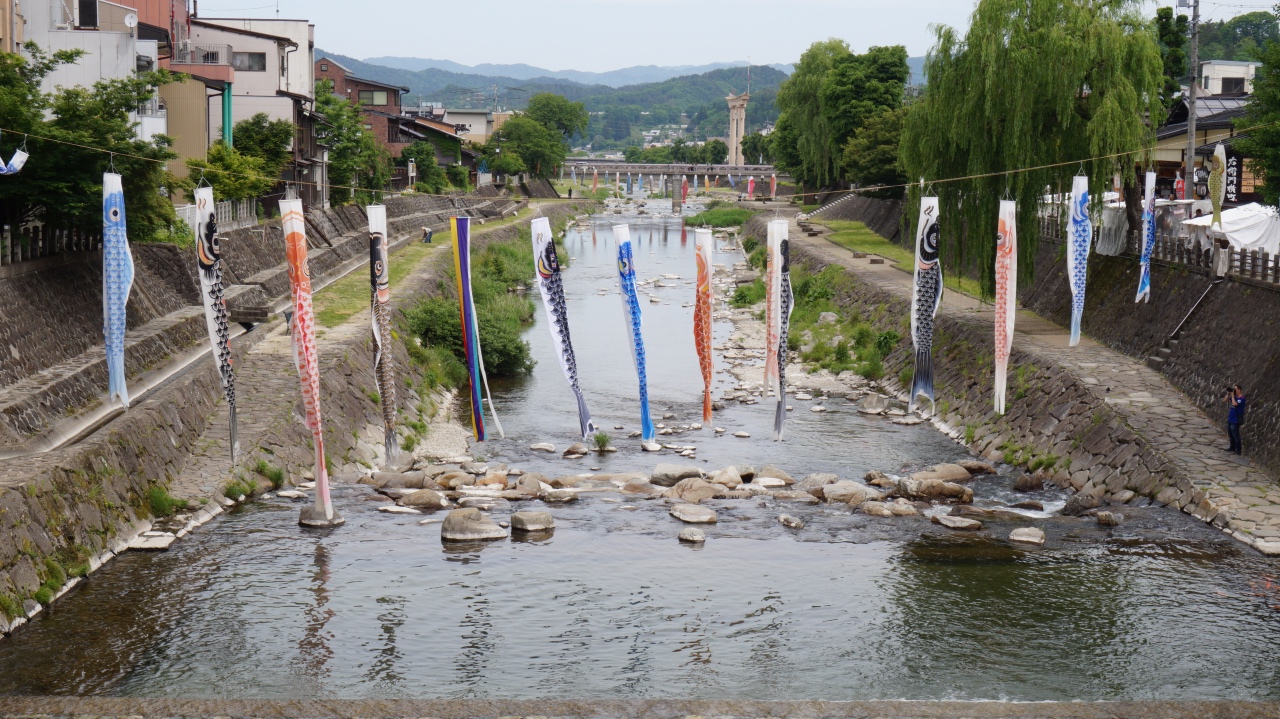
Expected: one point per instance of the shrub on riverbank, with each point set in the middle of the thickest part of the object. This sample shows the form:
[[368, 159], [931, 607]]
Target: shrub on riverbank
[[720, 217]]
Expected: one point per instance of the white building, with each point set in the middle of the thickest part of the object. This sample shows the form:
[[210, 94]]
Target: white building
[[1227, 77], [100, 29]]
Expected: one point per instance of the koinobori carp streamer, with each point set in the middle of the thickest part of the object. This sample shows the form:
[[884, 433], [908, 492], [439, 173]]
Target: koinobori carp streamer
[[546, 265]]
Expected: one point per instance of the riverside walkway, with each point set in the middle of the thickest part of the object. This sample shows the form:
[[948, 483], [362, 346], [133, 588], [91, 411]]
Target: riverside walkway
[[1240, 497]]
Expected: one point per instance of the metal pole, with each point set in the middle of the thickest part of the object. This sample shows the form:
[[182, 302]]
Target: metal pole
[[1191, 99]]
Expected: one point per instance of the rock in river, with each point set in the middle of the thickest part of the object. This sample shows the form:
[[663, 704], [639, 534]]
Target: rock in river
[[961, 523], [543, 447], [666, 475], [1108, 519], [775, 473], [576, 450], [945, 473], [693, 514], [727, 477], [424, 499], [1028, 535], [1028, 483], [973, 466], [1079, 503], [692, 536], [560, 495], [469, 525], [692, 490], [532, 521], [934, 490], [789, 521]]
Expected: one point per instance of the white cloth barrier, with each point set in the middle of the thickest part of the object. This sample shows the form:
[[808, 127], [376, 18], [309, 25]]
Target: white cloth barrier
[[1247, 227]]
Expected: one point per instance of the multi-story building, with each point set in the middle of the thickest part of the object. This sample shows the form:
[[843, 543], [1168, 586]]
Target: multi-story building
[[12, 26]]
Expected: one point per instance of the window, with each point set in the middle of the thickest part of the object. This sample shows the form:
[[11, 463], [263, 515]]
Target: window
[[367, 126], [249, 61], [1232, 85], [373, 97], [88, 13], [324, 67]]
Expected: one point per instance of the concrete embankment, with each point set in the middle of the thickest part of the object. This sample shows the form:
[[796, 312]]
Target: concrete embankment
[[1067, 416], [64, 512]]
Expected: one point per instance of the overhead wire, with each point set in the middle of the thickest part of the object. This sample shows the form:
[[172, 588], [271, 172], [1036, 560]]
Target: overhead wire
[[858, 190]]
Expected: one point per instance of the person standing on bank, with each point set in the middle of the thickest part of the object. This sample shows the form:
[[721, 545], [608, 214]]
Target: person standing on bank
[[1236, 402]]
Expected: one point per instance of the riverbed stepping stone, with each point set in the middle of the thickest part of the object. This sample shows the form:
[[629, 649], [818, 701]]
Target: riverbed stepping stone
[[153, 543], [787, 520], [691, 536], [960, 523], [1027, 535], [291, 494], [532, 522], [560, 496], [395, 509], [424, 499], [469, 525], [667, 475], [693, 514], [543, 447]]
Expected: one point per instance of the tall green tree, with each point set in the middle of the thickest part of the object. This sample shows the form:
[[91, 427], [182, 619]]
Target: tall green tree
[[266, 139], [1171, 32], [860, 86], [1261, 143], [871, 155], [524, 145], [756, 148], [1033, 83], [234, 175], [800, 104], [61, 184], [559, 114], [431, 176], [715, 152], [355, 157]]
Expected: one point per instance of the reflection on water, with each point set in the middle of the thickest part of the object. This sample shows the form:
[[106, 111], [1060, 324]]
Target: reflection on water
[[610, 605]]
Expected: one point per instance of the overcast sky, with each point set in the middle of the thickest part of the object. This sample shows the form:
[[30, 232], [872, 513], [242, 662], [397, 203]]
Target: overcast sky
[[598, 35]]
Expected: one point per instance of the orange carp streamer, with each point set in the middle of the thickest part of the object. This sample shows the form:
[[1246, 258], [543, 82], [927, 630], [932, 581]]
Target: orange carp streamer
[[704, 244], [1006, 295], [304, 342]]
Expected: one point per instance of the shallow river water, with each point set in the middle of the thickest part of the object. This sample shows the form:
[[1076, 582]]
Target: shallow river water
[[610, 605]]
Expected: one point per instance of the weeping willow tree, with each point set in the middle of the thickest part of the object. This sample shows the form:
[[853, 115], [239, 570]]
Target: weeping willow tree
[[1033, 83]]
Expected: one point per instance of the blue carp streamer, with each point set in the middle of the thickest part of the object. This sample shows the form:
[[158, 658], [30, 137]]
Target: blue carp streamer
[[547, 275], [1079, 237], [631, 314], [926, 296], [1148, 238], [117, 282]]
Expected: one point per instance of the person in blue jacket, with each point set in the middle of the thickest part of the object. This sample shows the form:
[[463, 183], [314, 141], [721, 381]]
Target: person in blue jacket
[[1236, 403]]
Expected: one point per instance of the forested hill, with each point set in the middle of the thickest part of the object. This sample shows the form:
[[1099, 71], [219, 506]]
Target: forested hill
[[699, 97]]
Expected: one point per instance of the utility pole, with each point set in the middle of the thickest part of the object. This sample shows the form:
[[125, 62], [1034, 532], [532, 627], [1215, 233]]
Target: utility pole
[[1189, 176]]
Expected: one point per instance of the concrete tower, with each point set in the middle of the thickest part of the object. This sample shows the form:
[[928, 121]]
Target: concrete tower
[[737, 126]]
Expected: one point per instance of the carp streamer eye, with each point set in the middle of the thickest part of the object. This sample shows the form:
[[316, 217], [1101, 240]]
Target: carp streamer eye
[[115, 213], [929, 248]]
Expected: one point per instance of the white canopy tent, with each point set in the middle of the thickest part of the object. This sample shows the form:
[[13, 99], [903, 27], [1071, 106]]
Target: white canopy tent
[[1247, 227]]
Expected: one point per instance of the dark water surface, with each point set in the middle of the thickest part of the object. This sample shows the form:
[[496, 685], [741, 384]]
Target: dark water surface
[[610, 605]]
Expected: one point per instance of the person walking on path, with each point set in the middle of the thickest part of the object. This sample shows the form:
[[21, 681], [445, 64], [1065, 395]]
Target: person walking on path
[[1236, 402]]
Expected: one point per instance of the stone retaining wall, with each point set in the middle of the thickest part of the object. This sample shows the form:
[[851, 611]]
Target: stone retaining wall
[[1231, 338], [74, 508], [1053, 420]]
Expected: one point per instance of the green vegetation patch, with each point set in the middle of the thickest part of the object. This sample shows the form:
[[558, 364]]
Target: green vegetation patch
[[715, 216]]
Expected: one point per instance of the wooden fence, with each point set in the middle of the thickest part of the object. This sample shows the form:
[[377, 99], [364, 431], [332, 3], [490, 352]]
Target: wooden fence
[[33, 243]]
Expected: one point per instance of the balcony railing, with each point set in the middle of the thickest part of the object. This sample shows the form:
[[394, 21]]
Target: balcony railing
[[190, 53], [230, 215]]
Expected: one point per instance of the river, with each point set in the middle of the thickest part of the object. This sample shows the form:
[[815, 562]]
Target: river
[[611, 606]]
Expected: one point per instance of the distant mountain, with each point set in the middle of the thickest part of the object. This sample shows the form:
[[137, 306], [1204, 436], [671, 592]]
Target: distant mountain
[[917, 70], [614, 78]]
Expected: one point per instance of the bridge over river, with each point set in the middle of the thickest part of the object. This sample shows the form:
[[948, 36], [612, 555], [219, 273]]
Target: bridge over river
[[670, 169]]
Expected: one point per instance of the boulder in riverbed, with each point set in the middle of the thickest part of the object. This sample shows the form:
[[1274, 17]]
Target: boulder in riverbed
[[934, 490], [469, 525], [789, 521], [876, 478], [960, 523], [1029, 504], [727, 477], [576, 450], [773, 472], [691, 535], [944, 473], [1028, 483], [667, 475], [1079, 503], [849, 492], [640, 486], [1108, 519], [873, 404], [560, 496], [543, 447], [1027, 535], [976, 467], [532, 521], [693, 514], [876, 509], [692, 490], [424, 499], [983, 514], [817, 479]]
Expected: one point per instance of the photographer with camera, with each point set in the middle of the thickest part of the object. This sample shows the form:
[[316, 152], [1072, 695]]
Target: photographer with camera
[[1236, 402]]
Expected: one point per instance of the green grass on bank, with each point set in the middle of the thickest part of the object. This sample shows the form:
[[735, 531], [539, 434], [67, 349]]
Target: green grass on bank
[[584, 192], [337, 302], [858, 237], [720, 217]]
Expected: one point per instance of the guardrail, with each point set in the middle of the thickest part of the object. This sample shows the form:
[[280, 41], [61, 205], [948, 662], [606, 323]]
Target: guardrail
[[190, 53], [229, 214], [37, 241]]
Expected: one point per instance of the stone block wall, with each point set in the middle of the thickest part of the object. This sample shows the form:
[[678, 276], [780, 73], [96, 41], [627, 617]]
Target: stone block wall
[[1233, 336]]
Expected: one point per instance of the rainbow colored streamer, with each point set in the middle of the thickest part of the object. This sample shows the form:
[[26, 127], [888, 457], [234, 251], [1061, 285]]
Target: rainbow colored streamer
[[471, 329]]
